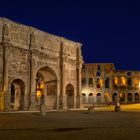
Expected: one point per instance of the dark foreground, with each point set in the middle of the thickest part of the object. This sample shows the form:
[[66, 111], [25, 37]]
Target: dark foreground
[[71, 126]]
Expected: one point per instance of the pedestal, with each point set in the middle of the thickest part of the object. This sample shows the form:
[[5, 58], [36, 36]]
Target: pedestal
[[42, 110]]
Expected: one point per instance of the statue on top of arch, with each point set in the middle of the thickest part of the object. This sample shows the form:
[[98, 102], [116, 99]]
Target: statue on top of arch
[[32, 39], [6, 33]]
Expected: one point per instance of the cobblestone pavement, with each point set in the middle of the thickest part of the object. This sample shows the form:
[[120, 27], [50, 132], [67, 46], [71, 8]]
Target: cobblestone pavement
[[78, 125]]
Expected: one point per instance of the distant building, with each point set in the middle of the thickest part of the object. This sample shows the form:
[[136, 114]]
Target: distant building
[[101, 83]]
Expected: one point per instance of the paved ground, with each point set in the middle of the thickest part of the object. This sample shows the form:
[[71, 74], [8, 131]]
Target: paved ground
[[103, 125]]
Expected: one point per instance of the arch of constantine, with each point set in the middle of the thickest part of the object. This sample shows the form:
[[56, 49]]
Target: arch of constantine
[[31, 58]]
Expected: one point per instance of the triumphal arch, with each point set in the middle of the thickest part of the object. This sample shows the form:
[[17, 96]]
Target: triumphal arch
[[35, 63]]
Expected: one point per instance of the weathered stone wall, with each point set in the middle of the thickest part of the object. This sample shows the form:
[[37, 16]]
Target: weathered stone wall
[[70, 63], [1, 67], [45, 42], [28, 49], [18, 62], [1, 29], [1, 57]]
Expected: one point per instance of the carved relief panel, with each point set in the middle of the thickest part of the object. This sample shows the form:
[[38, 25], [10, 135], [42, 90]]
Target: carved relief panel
[[18, 62], [18, 68]]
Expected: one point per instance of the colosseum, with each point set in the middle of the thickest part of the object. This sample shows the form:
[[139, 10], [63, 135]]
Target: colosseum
[[102, 83]]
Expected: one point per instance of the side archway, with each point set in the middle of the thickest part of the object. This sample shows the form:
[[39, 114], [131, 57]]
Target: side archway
[[70, 95], [17, 94]]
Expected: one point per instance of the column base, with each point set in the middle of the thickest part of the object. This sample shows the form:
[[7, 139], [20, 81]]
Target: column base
[[6, 101], [33, 102], [33, 107], [6, 108], [26, 108], [117, 108], [42, 110]]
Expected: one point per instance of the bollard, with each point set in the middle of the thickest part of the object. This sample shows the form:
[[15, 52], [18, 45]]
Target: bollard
[[90, 109], [42, 110], [117, 107]]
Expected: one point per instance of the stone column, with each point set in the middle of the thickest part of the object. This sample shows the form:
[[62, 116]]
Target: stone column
[[64, 101], [63, 89], [75, 101], [6, 94], [125, 96], [78, 104], [33, 87], [58, 94], [78, 70], [133, 97], [26, 99]]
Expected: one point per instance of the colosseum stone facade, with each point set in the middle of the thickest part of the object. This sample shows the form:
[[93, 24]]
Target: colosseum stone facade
[[103, 84]]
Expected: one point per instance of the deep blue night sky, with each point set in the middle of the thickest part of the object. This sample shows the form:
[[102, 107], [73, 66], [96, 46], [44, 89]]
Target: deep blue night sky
[[108, 30]]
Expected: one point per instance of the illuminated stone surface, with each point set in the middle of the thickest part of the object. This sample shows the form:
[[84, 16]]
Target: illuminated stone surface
[[122, 83], [27, 55]]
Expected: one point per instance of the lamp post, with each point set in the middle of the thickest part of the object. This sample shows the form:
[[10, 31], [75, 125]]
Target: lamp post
[[40, 90], [117, 104]]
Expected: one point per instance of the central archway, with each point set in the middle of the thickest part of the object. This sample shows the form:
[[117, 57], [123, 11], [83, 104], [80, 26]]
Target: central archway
[[70, 95], [48, 76], [17, 94]]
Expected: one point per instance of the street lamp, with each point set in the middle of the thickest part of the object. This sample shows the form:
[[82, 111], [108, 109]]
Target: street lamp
[[40, 93], [117, 104], [116, 85]]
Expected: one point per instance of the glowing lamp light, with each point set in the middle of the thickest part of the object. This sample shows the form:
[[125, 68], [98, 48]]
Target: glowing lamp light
[[38, 93], [39, 88], [121, 95], [42, 85], [116, 80], [106, 94]]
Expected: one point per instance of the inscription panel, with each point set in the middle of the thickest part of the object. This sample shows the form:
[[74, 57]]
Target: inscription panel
[[19, 34], [18, 62], [47, 43]]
